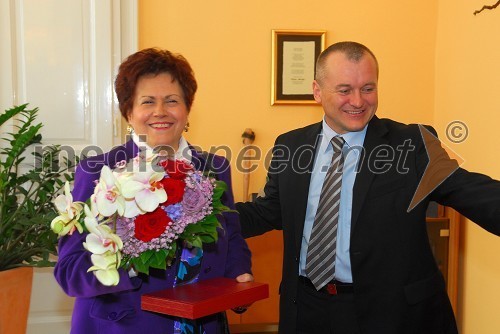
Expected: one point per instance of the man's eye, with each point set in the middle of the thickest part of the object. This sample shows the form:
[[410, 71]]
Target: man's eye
[[344, 91], [368, 89]]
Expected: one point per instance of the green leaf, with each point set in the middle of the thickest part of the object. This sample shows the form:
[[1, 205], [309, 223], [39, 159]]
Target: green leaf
[[139, 266], [220, 188], [208, 239], [210, 222], [193, 229], [158, 260], [11, 113], [196, 242], [26, 194]]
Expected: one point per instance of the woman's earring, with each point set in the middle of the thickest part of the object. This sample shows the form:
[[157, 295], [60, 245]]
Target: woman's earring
[[130, 129], [186, 127]]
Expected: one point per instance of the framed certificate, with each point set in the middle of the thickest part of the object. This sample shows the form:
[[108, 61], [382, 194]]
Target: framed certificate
[[294, 54]]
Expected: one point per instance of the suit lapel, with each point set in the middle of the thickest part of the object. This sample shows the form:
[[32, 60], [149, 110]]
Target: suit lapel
[[198, 159], [374, 138], [305, 162]]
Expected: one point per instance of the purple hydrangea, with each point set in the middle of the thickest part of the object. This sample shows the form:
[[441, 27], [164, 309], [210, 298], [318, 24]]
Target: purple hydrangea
[[195, 205]]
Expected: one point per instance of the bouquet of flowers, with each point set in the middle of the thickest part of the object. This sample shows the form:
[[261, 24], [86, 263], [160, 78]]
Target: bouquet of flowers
[[137, 213]]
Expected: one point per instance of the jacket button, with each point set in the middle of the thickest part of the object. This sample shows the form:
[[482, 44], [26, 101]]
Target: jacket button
[[297, 259], [294, 301], [112, 316], [207, 269]]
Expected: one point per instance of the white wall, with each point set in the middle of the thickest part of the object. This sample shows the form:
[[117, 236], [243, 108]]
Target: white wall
[[61, 56]]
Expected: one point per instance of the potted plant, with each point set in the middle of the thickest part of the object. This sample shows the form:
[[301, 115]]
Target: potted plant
[[31, 175]]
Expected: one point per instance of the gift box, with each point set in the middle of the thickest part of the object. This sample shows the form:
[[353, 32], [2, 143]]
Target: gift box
[[203, 298]]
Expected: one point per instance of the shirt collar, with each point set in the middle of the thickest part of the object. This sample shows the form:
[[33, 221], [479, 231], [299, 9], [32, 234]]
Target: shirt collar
[[352, 139], [182, 153]]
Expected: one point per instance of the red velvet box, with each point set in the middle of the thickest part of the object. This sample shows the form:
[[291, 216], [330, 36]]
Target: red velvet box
[[203, 298]]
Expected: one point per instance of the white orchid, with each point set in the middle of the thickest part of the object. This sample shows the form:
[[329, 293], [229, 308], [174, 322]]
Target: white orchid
[[107, 196], [131, 209], [146, 189], [105, 268], [64, 203], [105, 247], [101, 239], [69, 214]]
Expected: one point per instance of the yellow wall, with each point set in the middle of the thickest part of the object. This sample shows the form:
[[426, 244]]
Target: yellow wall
[[438, 63], [228, 43], [468, 89]]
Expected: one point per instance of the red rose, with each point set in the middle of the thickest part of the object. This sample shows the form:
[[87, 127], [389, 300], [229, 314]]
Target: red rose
[[176, 169], [174, 189], [151, 225]]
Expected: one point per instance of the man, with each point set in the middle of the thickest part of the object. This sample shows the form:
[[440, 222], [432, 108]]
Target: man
[[356, 253]]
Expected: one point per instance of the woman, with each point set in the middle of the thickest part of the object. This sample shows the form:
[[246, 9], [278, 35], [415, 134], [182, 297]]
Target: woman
[[155, 90]]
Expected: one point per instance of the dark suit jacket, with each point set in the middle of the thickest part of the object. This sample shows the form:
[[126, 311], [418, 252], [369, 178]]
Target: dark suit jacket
[[117, 309], [397, 285]]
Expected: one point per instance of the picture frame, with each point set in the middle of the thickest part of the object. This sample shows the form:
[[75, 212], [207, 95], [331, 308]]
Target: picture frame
[[294, 54]]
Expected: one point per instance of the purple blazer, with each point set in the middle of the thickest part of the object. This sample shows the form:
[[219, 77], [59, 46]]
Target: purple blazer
[[117, 309]]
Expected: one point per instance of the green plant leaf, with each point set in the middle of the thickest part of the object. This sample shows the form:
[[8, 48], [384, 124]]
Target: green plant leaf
[[11, 113], [27, 193]]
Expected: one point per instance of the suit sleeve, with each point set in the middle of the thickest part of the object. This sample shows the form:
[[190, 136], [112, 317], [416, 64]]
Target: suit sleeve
[[264, 214], [74, 260], [474, 195]]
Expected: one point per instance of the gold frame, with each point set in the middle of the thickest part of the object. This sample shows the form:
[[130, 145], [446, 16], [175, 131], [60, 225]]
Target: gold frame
[[278, 38]]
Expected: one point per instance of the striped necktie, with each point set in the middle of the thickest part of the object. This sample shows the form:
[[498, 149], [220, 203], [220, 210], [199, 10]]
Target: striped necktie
[[320, 262]]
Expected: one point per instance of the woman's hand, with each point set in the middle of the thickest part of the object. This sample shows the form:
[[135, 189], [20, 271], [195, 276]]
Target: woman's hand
[[242, 279]]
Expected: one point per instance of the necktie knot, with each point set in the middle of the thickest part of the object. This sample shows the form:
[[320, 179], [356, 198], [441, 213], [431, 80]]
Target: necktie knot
[[337, 143]]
